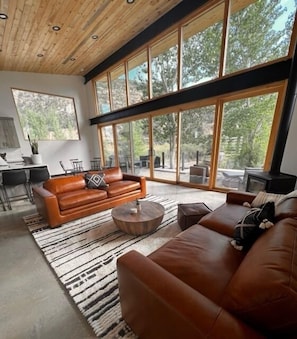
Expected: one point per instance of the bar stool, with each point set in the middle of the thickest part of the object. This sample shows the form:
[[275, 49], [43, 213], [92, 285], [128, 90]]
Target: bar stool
[[12, 179], [77, 165], [2, 202], [37, 176], [96, 164]]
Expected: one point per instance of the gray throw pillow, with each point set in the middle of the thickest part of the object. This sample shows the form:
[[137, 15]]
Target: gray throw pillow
[[95, 180]]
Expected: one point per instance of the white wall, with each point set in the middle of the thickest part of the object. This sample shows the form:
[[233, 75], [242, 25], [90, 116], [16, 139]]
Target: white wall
[[52, 151], [289, 163]]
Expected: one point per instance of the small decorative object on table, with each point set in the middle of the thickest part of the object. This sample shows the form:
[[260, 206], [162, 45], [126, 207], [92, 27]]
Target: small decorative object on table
[[133, 210], [138, 206]]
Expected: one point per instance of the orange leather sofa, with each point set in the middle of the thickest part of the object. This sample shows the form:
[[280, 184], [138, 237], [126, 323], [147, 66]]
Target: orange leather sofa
[[199, 286], [67, 198]]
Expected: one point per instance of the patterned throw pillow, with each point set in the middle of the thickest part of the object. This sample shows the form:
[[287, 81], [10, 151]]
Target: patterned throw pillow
[[252, 225], [95, 180]]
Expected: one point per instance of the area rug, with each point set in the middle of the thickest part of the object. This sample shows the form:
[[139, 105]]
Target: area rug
[[83, 254]]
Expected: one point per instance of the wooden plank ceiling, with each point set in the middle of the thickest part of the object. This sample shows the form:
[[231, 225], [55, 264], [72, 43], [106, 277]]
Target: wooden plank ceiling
[[28, 42]]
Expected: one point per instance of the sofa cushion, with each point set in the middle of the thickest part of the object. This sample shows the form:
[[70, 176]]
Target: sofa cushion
[[120, 187], [263, 291], [78, 198], [95, 180], [224, 218], [252, 225], [287, 206], [113, 174], [65, 184], [201, 258]]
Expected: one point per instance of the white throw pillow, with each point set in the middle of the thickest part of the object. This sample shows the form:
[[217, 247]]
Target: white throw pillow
[[263, 197]]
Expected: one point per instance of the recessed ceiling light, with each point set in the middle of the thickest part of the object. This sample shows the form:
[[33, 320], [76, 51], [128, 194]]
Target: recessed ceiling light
[[94, 37], [130, 1], [40, 55], [72, 59], [3, 16], [56, 28]]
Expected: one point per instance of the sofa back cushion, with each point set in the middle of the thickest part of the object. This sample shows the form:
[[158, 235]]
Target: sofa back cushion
[[285, 204], [263, 291], [224, 218], [113, 174], [65, 184], [286, 208]]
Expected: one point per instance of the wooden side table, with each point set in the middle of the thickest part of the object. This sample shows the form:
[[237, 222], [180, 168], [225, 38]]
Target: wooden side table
[[145, 221]]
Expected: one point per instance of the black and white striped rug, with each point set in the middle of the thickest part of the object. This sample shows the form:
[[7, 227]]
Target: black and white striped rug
[[83, 254]]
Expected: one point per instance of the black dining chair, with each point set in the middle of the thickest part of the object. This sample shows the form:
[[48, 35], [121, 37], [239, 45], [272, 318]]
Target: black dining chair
[[37, 176], [66, 170], [2, 202], [12, 179], [77, 165]]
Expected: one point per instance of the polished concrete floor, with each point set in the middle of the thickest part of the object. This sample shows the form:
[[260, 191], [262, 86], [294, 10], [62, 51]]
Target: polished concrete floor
[[33, 302]]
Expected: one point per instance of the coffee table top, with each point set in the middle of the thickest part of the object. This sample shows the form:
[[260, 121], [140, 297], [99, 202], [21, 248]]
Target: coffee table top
[[145, 221]]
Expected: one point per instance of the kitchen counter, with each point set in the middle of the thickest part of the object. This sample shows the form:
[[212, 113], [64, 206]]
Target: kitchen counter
[[14, 166]]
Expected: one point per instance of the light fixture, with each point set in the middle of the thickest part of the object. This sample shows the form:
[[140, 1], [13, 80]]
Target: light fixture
[[40, 55], [130, 1], [94, 37], [3, 16], [72, 59], [56, 28]]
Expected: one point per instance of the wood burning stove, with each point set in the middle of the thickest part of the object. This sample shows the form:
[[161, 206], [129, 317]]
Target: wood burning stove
[[273, 183]]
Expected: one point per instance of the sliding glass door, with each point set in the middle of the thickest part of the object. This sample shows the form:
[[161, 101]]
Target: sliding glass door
[[245, 134], [196, 140], [163, 155], [213, 145], [132, 146]]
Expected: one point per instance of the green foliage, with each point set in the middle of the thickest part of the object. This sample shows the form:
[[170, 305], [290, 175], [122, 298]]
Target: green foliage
[[33, 145], [46, 117], [252, 38], [246, 125]]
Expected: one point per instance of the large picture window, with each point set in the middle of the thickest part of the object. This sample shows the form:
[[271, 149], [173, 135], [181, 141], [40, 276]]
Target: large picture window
[[118, 88], [164, 65], [226, 37], [138, 78], [46, 116], [201, 47], [102, 91], [258, 33]]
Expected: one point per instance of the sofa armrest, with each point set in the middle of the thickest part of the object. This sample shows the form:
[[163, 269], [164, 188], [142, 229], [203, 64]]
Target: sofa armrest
[[156, 304], [238, 198], [47, 205], [138, 178]]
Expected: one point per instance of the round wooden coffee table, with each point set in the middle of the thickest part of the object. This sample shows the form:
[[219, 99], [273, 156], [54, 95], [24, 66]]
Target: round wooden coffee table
[[145, 221]]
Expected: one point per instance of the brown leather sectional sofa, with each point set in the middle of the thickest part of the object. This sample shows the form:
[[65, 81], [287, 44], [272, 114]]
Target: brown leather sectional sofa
[[199, 286], [67, 198]]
